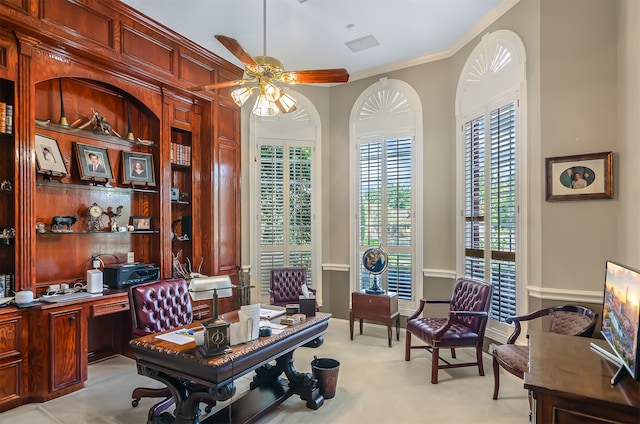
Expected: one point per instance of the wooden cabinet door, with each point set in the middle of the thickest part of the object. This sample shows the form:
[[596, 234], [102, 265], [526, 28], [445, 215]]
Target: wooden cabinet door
[[66, 348]]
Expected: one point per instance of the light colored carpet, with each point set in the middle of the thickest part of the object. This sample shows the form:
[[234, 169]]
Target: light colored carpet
[[375, 385]]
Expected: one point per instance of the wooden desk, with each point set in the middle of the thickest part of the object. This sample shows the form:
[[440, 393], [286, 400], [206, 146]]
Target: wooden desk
[[375, 307], [571, 383], [174, 364]]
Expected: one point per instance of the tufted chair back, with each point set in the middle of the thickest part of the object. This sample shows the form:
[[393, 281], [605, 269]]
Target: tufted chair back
[[160, 305], [286, 285], [471, 295]]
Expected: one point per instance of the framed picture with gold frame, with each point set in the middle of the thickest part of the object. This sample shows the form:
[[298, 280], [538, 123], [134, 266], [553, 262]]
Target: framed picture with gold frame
[[580, 177]]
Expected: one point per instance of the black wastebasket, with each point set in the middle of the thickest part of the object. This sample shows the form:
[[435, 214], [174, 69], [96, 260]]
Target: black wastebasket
[[325, 370]]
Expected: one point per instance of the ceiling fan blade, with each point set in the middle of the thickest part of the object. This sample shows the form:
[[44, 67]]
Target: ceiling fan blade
[[217, 85], [315, 76], [238, 51]]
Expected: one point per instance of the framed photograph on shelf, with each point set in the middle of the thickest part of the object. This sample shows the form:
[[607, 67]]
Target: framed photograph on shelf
[[137, 169], [93, 162], [48, 157], [141, 223], [580, 177]]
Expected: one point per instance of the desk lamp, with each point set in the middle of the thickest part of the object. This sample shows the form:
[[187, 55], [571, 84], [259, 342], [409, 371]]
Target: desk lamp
[[216, 330]]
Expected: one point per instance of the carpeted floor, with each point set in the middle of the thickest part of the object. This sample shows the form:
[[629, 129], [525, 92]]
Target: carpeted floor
[[375, 385]]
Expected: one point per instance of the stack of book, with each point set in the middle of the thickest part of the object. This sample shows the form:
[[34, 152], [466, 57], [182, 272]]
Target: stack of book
[[180, 154], [6, 118]]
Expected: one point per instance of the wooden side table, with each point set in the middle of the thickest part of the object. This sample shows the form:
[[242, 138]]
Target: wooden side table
[[375, 307]]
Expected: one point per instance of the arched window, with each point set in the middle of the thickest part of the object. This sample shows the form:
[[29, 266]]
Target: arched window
[[491, 157], [386, 145], [285, 193]]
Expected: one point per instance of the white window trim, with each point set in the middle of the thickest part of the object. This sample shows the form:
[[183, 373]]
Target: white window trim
[[479, 91], [388, 126], [300, 127]]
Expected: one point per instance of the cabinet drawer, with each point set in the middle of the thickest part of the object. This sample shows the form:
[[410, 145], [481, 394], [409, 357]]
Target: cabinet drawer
[[379, 302], [10, 381], [110, 307], [10, 337]]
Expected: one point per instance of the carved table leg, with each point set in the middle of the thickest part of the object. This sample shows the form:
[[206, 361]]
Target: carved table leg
[[302, 384], [187, 400]]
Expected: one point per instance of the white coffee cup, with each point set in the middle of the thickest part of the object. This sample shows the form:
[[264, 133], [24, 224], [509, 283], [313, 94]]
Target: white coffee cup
[[24, 296], [64, 286]]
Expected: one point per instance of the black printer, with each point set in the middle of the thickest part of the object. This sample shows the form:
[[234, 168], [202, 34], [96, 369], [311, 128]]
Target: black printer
[[118, 276]]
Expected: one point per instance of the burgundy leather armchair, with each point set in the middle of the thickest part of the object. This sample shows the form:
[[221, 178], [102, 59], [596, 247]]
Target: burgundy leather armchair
[[159, 306], [464, 326], [286, 286]]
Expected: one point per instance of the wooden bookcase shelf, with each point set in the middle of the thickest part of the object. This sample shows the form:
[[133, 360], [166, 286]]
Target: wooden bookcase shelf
[[136, 74]]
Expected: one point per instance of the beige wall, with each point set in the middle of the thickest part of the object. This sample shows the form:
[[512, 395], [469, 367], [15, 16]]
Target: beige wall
[[582, 97]]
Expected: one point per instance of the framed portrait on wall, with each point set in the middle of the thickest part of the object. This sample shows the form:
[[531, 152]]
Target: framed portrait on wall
[[93, 162], [137, 169], [580, 177], [48, 157]]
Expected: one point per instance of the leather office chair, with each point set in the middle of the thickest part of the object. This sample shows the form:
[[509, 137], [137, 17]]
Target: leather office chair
[[159, 306], [286, 286], [464, 325], [568, 319]]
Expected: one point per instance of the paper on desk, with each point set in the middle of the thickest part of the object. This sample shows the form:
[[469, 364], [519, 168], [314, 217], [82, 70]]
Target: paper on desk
[[270, 312], [272, 325], [178, 337]]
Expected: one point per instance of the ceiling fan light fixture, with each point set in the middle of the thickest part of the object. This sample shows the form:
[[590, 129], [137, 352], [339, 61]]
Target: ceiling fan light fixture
[[264, 107], [271, 92], [286, 103], [241, 95]]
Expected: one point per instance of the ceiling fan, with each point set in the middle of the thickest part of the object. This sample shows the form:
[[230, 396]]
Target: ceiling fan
[[264, 73]]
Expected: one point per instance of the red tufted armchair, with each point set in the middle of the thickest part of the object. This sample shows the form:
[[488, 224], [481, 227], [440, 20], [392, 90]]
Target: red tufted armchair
[[159, 306], [464, 325], [286, 286]]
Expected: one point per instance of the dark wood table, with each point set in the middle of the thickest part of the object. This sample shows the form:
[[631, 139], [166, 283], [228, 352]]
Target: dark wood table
[[571, 383], [381, 308], [175, 364]]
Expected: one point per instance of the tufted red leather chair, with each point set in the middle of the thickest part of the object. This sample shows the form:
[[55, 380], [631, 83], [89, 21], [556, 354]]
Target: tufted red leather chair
[[464, 325], [286, 286], [571, 320], [159, 306]]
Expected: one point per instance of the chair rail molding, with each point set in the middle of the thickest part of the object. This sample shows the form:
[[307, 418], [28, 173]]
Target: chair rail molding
[[550, 293], [335, 267]]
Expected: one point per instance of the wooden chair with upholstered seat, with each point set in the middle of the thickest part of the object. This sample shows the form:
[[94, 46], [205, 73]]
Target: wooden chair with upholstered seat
[[464, 325], [158, 306], [568, 319]]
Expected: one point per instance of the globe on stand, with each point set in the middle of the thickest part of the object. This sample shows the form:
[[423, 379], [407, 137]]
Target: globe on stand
[[374, 260]]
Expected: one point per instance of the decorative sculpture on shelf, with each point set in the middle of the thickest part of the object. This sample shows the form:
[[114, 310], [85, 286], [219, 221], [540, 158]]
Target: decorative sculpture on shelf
[[59, 222]]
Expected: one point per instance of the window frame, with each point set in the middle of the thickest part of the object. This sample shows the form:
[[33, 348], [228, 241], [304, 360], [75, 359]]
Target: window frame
[[392, 120]]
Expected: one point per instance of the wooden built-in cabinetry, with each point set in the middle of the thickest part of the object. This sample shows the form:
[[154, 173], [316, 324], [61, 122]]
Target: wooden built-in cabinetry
[[69, 59]]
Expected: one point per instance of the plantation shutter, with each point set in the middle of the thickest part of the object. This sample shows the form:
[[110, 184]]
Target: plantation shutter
[[285, 213], [498, 230], [385, 210]]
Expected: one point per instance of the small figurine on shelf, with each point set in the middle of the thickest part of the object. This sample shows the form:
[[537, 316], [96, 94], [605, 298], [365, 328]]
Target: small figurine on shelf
[[59, 222], [7, 234], [40, 227], [112, 217], [6, 186]]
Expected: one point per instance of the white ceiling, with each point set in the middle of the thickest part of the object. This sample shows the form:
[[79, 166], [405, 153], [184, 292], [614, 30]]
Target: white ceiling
[[311, 34]]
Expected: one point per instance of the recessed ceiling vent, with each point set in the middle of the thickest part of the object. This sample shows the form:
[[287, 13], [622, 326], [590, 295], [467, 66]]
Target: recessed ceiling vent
[[362, 43]]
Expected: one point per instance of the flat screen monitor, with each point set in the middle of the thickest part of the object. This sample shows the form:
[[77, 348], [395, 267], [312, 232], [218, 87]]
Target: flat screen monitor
[[621, 316]]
